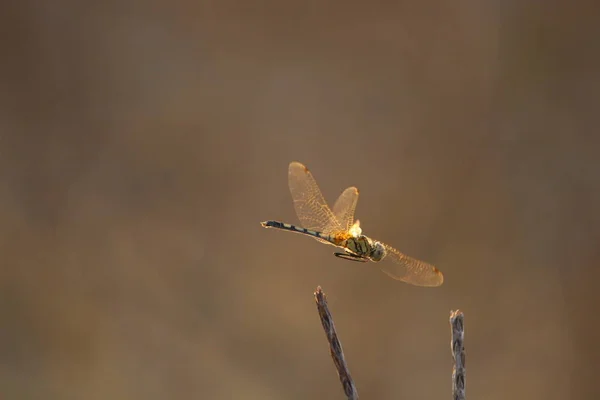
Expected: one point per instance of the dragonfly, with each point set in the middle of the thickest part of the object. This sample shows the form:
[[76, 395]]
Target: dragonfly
[[338, 228]]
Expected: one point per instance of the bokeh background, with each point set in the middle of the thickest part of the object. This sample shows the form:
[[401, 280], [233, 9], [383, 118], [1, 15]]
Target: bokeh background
[[141, 143]]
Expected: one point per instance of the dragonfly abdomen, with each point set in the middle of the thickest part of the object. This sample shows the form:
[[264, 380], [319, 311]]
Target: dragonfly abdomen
[[294, 228]]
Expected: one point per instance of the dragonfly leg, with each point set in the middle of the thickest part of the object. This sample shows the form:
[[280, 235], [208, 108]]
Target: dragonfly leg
[[350, 257]]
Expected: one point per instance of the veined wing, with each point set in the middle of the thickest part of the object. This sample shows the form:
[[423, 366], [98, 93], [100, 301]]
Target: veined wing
[[344, 208], [310, 205], [404, 268]]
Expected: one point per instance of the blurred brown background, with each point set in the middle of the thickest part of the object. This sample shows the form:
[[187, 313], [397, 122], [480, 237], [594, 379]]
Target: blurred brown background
[[142, 143]]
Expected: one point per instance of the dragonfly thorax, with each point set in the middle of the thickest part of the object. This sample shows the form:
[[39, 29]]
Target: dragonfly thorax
[[364, 246]]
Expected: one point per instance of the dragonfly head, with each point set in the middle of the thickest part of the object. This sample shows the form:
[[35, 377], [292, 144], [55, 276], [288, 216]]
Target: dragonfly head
[[377, 251]]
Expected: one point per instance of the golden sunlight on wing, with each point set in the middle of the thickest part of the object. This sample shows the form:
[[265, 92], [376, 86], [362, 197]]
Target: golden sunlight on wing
[[311, 208], [344, 208], [406, 269]]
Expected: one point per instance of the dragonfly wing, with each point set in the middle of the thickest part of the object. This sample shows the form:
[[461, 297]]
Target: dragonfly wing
[[406, 269], [310, 205], [343, 209]]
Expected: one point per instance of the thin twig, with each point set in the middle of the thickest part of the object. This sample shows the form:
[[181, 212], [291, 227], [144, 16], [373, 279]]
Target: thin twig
[[335, 346], [457, 325]]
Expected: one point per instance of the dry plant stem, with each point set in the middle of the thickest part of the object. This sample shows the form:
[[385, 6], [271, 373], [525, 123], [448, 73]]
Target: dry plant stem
[[335, 347], [457, 325]]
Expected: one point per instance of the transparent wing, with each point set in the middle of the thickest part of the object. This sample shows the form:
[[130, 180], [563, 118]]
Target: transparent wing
[[404, 268], [311, 208], [344, 208]]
